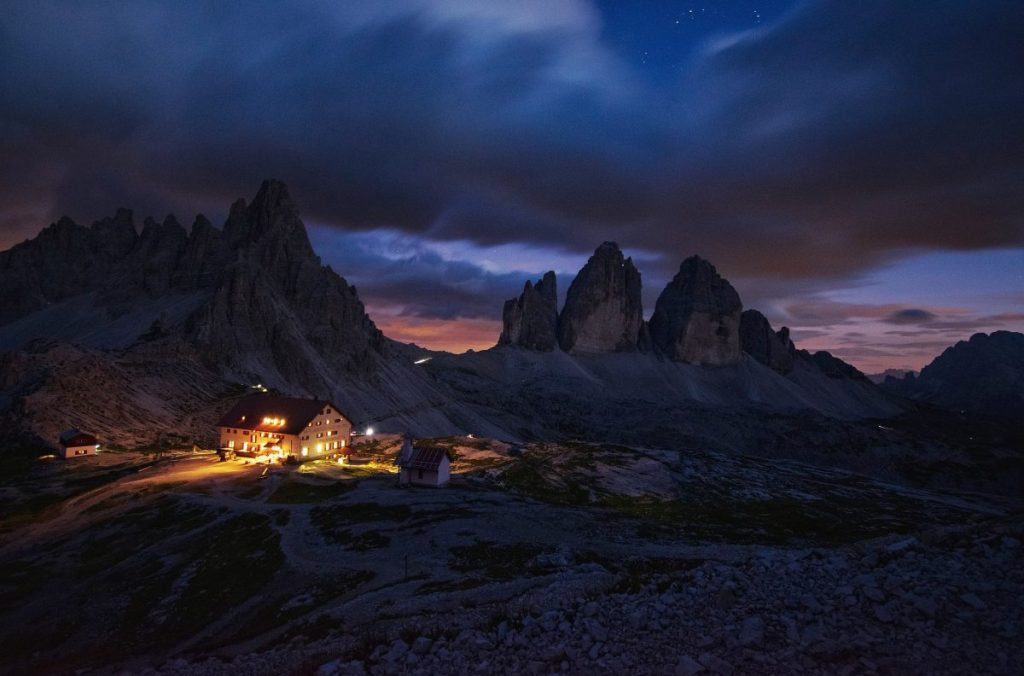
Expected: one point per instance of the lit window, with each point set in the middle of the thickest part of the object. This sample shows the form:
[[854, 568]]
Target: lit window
[[305, 451], [319, 448]]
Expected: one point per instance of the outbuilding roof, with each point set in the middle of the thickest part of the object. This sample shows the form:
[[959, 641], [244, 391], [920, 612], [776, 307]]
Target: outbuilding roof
[[75, 437], [426, 457], [274, 413]]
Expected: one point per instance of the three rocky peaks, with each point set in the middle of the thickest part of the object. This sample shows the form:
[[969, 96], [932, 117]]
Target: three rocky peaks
[[698, 318]]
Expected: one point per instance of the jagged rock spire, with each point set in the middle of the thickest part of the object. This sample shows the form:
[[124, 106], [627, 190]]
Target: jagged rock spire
[[697, 317], [271, 215], [603, 311], [773, 349], [531, 320]]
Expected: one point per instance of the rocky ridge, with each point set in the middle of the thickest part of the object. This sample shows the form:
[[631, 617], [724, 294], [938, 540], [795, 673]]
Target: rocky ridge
[[983, 375], [773, 349], [277, 310]]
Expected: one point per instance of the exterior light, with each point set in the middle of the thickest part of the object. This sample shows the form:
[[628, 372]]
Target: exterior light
[[369, 430]]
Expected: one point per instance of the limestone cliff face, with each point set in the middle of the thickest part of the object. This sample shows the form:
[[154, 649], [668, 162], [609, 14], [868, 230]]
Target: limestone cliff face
[[531, 320], [774, 350], [64, 260], [253, 299], [603, 312], [276, 307], [697, 317]]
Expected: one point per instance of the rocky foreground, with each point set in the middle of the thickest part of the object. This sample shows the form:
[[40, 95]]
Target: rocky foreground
[[948, 604], [585, 559], [951, 605]]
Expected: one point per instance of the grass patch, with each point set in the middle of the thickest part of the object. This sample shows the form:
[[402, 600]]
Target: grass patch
[[496, 561], [109, 542], [285, 608], [529, 476], [362, 512], [462, 584], [777, 521], [292, 491], [223, 568], [335, 523]]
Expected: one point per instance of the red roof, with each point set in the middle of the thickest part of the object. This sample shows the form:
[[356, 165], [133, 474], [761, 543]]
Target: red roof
[[426, 457], [250, 412], [77, 438]]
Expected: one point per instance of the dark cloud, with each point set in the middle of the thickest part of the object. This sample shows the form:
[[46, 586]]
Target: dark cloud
[[910, 316], [405, 279], [816, 148]]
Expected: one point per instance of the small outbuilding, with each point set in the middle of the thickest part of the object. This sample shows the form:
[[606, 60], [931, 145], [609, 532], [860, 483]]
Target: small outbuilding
[[423, 465], [77, 444]]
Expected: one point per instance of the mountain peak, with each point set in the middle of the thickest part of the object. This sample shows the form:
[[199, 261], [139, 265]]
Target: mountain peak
[[531, 320], [271, 216], [697, 317], [603, 311], [273, 197]]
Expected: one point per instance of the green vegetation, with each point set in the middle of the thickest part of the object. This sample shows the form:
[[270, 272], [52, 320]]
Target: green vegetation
[[461, 584], [359, 512], [496, 561], [104, 544], [335, 523], [222, 568], [775, 521], [294, 491], [529, 476], [287, 607]]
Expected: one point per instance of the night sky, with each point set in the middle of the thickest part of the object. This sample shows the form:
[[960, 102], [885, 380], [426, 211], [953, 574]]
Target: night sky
[[856, 169]]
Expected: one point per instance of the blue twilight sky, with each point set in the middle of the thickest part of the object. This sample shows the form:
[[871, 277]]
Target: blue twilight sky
[[855, 169]]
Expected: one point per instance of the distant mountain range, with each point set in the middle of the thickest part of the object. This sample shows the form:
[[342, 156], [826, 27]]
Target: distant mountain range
[[879, 378], [982, 375], [145, 336]]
